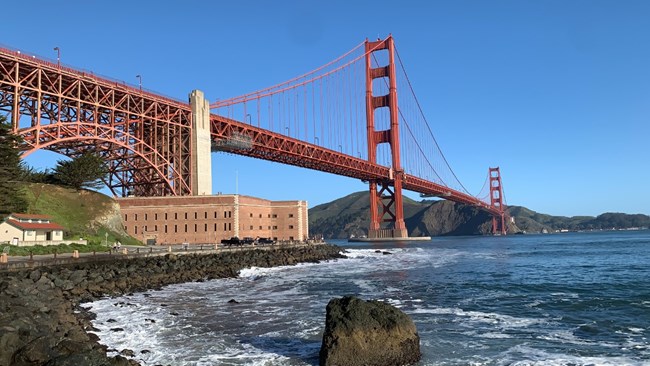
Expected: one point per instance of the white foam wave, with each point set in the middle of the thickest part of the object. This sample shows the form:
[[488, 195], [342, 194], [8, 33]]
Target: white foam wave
[[534, 304], [361, 253], [254, 273], [488, 335], [523, 355], [567, 337], [167, 335], [493, 319], [137, 324]]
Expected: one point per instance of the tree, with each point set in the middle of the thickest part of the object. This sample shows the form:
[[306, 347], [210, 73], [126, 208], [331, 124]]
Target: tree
[[85, 171], [11, 172], [32, 175]]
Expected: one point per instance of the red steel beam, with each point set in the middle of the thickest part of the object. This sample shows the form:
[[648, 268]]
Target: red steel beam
[[275, 147], [145, 136]]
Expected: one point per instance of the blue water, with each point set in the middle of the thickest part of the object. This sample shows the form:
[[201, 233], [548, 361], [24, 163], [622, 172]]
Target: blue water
[[561, 299]]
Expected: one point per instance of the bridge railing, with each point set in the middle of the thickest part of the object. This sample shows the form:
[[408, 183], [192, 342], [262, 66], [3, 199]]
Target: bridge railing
[[45, 61]]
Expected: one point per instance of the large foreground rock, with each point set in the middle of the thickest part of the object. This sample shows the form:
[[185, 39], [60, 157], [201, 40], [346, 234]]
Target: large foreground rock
[[368, 333]]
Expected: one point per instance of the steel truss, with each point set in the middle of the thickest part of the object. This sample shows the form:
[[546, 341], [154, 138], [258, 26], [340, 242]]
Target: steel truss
[[271, 146], [145, 138]]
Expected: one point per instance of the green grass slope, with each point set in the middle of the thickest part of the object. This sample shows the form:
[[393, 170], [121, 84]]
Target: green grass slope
[[84, 214]]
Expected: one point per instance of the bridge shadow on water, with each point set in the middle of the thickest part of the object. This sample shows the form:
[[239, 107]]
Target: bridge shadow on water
[[296, 349]]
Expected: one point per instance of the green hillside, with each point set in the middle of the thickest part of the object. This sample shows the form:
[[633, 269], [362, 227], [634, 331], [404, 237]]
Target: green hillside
[[533, 222], [84, 214]]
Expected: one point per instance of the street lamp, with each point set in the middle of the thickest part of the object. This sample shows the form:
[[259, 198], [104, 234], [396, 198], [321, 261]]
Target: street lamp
[[140, 80], [248, 117], [316, 140], [341, 148], [288, 132], [58, 56]]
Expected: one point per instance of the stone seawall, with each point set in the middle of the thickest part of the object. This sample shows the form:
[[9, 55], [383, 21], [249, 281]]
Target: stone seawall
[[42, 319]]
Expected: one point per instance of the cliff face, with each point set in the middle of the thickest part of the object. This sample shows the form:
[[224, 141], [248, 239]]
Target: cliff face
[[110, 219], [449, 218], [349, 215]]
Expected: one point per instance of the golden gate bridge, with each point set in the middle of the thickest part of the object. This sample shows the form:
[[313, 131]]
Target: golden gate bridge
[[342, 118]]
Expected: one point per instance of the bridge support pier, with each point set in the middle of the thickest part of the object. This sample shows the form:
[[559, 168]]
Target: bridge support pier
[[496, 201], [390, 204], [201, 159], [390, 199]]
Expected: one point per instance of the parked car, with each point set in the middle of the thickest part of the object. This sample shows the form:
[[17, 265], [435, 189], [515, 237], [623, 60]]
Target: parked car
[[232, 241], [265, 241], [247, 240]]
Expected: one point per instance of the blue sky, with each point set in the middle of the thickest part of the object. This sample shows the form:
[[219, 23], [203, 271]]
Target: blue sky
[[556, 93]]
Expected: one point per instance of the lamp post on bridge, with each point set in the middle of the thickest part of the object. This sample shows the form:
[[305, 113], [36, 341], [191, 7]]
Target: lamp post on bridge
[[316, 140], [139, 80], [248, 117], [288, 131], [58, 56], [341, 149]]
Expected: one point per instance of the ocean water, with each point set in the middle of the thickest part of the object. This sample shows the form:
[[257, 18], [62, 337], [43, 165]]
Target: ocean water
[[561, 299]]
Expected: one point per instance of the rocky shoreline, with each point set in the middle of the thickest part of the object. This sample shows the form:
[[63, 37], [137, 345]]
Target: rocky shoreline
[[42, 318]]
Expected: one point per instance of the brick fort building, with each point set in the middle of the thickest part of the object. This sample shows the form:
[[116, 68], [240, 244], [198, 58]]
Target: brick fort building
[[209, 219]]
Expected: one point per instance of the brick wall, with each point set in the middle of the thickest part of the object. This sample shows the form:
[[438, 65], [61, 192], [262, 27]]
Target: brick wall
[[209, 219]]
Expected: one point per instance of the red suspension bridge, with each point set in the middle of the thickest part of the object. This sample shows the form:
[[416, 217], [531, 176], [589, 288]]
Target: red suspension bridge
[[342, 118]]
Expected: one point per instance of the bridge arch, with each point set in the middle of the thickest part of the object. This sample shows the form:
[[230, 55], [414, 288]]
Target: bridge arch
[[126, 154]]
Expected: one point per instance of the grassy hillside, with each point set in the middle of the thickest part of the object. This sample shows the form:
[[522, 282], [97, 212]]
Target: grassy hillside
[[342, 217], [86, 214]]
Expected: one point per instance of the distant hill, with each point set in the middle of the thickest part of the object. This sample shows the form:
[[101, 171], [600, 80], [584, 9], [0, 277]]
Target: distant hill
[[349, 215], [83, 213], [533, 222]]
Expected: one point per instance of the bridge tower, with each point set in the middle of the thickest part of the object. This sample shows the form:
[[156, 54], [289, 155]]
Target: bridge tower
[[385, 193], [201, 163], [496, 201]]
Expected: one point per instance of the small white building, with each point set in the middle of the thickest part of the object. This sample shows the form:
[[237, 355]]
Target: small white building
[[30, 229]]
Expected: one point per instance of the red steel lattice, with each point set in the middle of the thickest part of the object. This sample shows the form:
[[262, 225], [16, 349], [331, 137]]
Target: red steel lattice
[[146, 138]]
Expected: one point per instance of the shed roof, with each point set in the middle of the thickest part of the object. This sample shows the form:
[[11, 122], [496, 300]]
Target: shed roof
[[23, 216], [35, 225]]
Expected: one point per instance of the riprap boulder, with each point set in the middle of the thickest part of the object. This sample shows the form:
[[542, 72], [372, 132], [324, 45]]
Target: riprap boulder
[[368, 333]]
